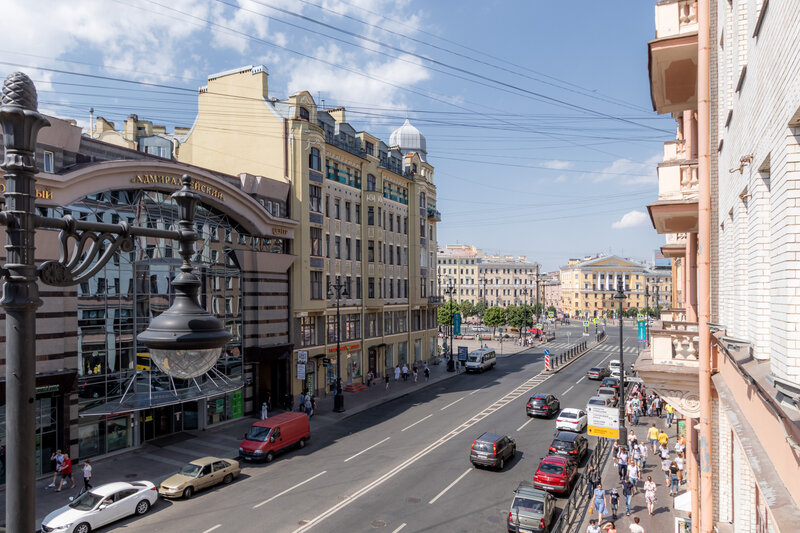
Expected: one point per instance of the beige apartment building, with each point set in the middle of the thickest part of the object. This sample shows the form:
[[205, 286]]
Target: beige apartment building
[[588, 286], [367, 218], [494, 280]]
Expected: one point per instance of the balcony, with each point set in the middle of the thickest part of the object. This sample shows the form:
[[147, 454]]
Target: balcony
[[676, 210], [670, 365], [675, 150], [673, 57], [435, 300], [433, 214], [675, 245]]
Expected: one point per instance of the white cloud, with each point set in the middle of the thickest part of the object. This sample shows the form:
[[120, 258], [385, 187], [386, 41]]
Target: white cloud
[[561, 179], [630, 172], [558, 165], [631, 219]]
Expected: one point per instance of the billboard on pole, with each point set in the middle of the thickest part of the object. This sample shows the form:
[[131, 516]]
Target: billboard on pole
[[603, 421]]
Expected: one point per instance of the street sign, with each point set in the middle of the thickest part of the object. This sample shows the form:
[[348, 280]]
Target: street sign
[[463, 351], [551, 314], [457, 324], [640, 317], [596, 320], [547, 352], [642, 331], [302, 356], [326, 361], [539, 325], [603, 421], [586, 323], [301, 371]]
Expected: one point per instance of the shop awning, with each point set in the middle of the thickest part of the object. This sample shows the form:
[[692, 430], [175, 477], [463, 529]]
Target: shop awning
[[683, 502]]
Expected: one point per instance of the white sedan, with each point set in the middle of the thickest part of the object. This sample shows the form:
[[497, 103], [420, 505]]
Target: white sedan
[[572, 420], [102, 505]]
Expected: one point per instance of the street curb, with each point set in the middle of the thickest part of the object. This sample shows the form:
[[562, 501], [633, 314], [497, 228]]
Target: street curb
[[589, 348]]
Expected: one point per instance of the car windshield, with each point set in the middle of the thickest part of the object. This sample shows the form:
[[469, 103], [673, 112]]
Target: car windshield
[[550, 468], [258, 433], [472, 358], [529, 504], [596, 369], [607, 391], [191, 470], [86, 501], [482, 447], [538, 401], [568, 415], [597, 401]]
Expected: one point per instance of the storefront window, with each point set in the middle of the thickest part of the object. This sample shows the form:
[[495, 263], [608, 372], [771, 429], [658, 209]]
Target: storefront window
[[418, 350], [402, 353], [390, 356], [118, 434]]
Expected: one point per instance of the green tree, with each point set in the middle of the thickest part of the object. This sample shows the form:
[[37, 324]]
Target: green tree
[[467, 308], [515, 315], [480, 308], [445, 313], [494, 317]]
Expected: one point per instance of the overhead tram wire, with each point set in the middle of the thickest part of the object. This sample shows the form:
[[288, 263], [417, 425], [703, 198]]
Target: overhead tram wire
[[536, 94], [583, 91]]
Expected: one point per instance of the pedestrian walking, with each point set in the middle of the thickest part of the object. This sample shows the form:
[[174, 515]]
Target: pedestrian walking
[[610, 527], [659, 406], [665, 462], [614, 498], [414, 372], [264, 411], [629, 411], [405, 372], [427, 372], [652, 436], [679, 462], [663, 438], [370, 377], [642, 454], [600, 501], [633, 472], [593, 527], [637, 411], [673, 478], [622, 464], [309, 408], [650, 494], [632, 439], [592, 479], [670, 414], [397, 373], [386, 379], [635, 527], [680, 445], [87, 475], [58, 459], [66, 473], [628, 489]]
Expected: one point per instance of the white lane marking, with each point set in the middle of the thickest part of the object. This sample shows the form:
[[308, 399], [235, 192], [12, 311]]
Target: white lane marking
[[367, 449], [452, 403], [525, 424], [606, 357], [315, 476], [584, 377], [450, 486], [566, 391], [399, 528], [209, 530], [477, 390], [525, 387], [415, 423]]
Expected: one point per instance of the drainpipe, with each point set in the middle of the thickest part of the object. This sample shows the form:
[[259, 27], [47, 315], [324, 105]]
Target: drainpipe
[[704, 267]]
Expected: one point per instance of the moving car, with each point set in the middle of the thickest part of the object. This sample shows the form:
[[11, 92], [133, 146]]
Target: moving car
[[570, 444], [610, 382], [556, 473], [602, 401], [614, 364], [531, 509], [541, 404], [572, 420], [199, 474], [492, 449], [609, 392], [102, 505], [480, 360], [598, 372], [267, 438]]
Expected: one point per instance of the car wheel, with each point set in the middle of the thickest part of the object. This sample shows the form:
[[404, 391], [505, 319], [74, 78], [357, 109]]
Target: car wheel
[[83, 527], [142, 507], [302, 443], [270, 456], [187, 492], [501, 464], [227, 479]]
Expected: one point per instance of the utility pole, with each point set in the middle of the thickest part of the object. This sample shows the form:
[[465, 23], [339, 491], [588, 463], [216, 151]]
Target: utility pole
[[623, 434]]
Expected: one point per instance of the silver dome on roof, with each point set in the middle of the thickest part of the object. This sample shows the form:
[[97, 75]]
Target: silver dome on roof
[[409, 139]]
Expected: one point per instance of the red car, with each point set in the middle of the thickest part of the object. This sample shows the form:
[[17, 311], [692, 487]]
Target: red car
[[556, 473]]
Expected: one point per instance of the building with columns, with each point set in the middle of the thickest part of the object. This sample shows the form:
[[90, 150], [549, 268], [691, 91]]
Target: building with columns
[[726, 354]]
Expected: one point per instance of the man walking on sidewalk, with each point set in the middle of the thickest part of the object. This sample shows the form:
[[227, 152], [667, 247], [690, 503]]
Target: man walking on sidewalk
[[635, 527], [87, 475]]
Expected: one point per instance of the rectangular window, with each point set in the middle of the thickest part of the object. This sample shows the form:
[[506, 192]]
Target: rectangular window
[[316, 242], [405, 225], [371, 183], [371, 288], [48, 161], [327, 205], [347, 211], [370, 216], [331, 328], [358, 250], [391, 255], [369, 148], [371, 251], [380, 252], [349, 285], [347, 250], [380, 218], [337, 240], [337, 209], [391, 223], [328, 245], [398, 223], [358, 287], [316, 285], [308, 331]]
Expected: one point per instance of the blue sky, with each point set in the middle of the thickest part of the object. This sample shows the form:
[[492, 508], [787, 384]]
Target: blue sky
[[537, 114]]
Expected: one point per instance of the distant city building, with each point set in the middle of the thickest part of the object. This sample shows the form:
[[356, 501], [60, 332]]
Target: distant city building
[[552, 290], [588, 286], [494, 280], [141, 135]]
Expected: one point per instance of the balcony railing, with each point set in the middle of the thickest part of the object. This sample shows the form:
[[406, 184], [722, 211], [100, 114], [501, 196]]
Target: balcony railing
[[674, 150], [673, 315], [675, 239], [675, 18], [433, 214], [677, 182], [675, 343], [435, 300]]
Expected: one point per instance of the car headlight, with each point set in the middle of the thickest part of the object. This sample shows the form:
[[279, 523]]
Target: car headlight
[[61, 528], [241, 450], [257, 452]]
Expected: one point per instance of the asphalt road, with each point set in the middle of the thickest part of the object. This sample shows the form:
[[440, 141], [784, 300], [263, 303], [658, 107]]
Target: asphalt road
[[401, 466]]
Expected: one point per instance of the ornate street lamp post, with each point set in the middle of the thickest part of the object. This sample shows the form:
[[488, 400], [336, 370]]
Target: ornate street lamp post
[[623, 435], [449, 291], [185, 341], [338, 290], [647, 314], [524, 293]]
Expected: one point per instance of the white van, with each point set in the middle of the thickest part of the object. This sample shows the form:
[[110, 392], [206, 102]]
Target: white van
[[614, 364], [481, 359]]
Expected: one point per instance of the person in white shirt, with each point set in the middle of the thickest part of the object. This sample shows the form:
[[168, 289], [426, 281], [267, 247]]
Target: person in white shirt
[[635, 527], [87, 475]]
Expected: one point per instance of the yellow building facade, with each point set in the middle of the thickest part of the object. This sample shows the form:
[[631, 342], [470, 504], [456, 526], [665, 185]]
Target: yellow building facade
[[588, 286], [367, 219]]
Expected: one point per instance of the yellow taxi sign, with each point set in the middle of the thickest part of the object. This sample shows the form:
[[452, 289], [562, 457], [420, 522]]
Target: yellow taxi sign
[[607, 433]]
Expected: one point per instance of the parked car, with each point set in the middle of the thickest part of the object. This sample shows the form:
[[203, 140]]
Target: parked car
[[598, 372], [614, 364], [602, 401], [572, 420], [492, 449], [102, 505], [610, 382], [571, 444], [542, 404], [531, 509], [556, 473], [199, 474], [267, 438], [609, 392]]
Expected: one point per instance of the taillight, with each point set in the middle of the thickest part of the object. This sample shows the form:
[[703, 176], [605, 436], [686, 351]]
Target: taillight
[[541, 523], [494, 449], [527, 405], [473, 445], [552, 449], [510, 517], [573, 451]]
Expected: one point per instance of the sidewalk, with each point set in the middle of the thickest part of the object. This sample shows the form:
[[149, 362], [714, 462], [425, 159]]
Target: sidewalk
[[156, 460], [662, 520]]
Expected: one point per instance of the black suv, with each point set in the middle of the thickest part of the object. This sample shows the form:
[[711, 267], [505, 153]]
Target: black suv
[[491, 449], [541, 404], [570, 444]]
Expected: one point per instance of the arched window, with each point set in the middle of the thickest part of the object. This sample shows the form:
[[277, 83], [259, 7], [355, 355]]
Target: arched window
[[314, 161]]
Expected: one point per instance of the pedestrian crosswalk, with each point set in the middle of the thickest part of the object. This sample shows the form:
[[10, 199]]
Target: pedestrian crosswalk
[[615, 348], [558, 347]]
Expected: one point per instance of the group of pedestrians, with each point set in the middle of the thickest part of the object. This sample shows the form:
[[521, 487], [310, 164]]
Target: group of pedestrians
[[63, 471], [404, 372]]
